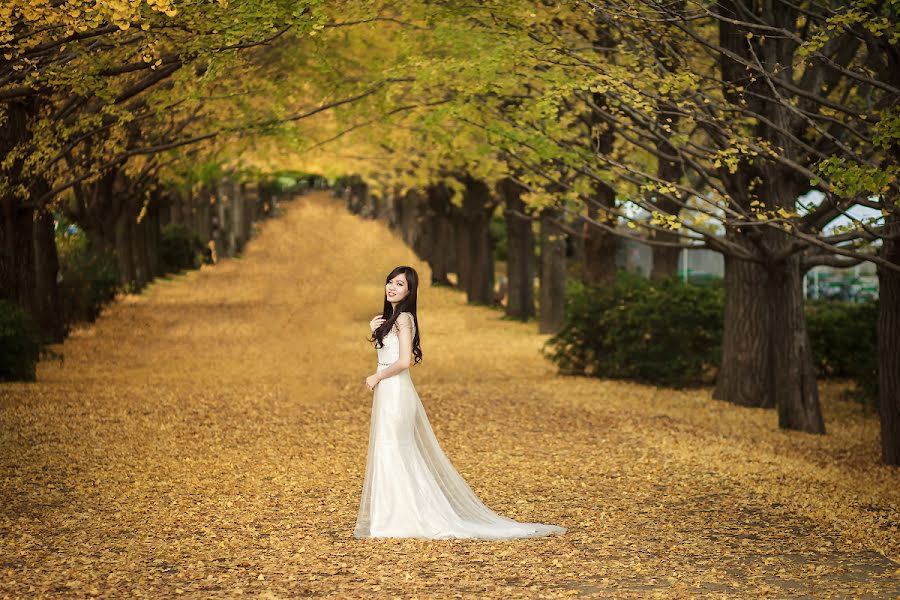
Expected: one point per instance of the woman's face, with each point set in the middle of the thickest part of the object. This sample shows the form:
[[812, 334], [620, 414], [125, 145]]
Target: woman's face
[[396, 289]]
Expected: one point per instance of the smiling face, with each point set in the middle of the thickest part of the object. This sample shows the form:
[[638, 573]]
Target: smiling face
[[396, 289]]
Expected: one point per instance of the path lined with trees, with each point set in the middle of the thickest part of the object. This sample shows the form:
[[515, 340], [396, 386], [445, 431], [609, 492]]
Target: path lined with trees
[[208, 437], [765, 132]]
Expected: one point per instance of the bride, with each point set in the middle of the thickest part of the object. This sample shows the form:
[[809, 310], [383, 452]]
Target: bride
[[410, 487]]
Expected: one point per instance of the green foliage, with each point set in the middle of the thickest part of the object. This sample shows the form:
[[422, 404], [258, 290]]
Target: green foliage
[[658, 332], [843, 336], [90, 277], [670, 334], [179, 248], [850, 179], [21, 344]]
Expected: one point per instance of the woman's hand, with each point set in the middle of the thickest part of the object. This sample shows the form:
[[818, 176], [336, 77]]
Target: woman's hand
[[371, 381], [376, 322]]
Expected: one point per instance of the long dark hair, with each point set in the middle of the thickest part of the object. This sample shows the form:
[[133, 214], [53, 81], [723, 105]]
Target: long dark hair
[[408, 304]]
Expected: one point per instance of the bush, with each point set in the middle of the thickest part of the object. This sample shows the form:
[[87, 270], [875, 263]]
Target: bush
[[179, 248], [668, 333], [21, 344], [844, 340], [89, 277], [659, 332]]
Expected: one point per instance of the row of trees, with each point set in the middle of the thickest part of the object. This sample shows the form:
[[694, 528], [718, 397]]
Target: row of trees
[[684, 125], [121, 117], [753, 129]]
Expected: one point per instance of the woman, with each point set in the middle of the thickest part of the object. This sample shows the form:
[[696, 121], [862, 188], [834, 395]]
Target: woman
[[410, 487]]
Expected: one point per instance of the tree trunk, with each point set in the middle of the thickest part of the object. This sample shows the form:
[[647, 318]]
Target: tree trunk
[[17, 266], [48, 304], [520, 253], [744, 376], [407, 211], [478, 206], [222, 225], [794, 378], [437, 243], [238, 214], [600, 244], [553, 273], [202, 200], [889, 348], [124, 247]]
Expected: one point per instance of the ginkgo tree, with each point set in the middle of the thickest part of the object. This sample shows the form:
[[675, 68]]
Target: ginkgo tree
[[722, 117]]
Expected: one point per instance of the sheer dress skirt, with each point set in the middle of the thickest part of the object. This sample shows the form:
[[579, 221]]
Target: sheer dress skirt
[[410, 487]]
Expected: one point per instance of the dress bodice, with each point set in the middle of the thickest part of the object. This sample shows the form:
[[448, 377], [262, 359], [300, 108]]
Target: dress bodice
[[390, 352]]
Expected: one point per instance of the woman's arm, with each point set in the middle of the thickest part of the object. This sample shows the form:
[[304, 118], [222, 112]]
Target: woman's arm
[[404, 324]]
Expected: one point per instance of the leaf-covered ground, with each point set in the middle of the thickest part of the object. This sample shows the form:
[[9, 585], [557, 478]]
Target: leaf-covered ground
[[208, 439]]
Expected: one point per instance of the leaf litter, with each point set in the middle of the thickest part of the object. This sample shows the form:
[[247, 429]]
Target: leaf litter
[[207, 439]]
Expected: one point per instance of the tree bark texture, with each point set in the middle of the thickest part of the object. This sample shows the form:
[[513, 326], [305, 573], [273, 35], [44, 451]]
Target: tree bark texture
[[478, 206], [600, 244], [889, 349], [48, 304], [520, 253], [745, 373], [553, 273]]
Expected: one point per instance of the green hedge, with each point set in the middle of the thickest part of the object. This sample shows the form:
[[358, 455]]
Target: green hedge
[[89, 277], [669, 333], [660, 332], [21, 344], [844, 340]]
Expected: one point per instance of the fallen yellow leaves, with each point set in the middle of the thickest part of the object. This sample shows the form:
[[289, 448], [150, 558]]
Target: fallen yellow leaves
[[207, 439]]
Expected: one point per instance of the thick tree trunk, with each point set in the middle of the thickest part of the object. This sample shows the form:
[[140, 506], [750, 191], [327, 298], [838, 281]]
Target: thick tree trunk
[[125, 255], [124, 247], [238, 218], [204, 213], [408, 209], [251, 195], [478, 205], [668, 168], [222, 237], [437, 243], [745, 374], [553, 273], [48, 304], [889, 349], [17, 266], [520, 253], [600, 244], [794, 378]]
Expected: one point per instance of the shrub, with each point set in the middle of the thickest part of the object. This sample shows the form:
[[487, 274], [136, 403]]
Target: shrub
[[21, 344], [844, 340], [89, 276], [659, 332], [179, 248], [668, 333]]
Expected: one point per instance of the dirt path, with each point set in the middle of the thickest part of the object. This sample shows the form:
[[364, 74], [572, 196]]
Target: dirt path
[[208, 438]]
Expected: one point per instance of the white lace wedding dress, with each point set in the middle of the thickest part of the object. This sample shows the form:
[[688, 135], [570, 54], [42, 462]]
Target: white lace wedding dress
[[410, 487]]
